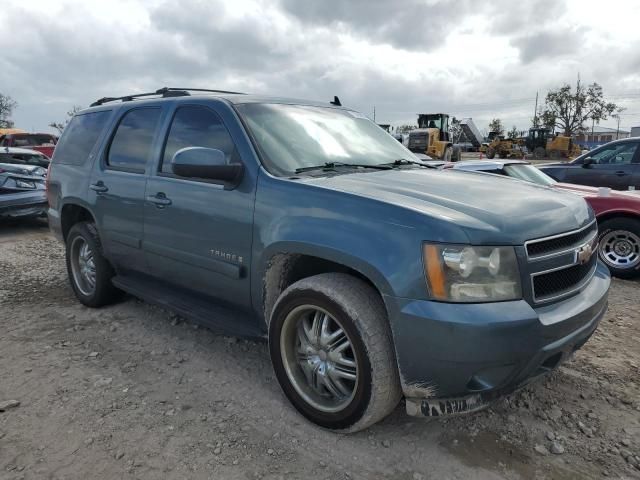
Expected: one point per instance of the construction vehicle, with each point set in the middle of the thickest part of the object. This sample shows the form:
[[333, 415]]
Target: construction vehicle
[[543, 143], [432, 136], [503, 147]]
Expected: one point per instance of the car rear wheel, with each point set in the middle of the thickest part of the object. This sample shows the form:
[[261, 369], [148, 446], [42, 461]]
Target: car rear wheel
[[332, 353], [619, 246], [89, 272]]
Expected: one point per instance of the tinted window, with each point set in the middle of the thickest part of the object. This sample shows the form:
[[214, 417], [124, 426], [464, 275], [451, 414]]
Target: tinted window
[[79, 137], [618, 154], [197, 127], [24, 159], [131, 145]]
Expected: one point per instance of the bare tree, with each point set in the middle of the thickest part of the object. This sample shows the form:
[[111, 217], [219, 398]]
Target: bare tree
[[514, 132], [569, 110], [7, 105], [60, 126]]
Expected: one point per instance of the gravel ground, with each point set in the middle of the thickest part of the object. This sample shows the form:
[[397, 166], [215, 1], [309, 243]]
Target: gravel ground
[[131, 391]]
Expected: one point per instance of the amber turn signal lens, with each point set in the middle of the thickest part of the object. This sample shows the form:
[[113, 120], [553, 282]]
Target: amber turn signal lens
[[434, 272]]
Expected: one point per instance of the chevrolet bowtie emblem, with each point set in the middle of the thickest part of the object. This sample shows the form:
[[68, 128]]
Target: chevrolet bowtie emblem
[[584, 254]]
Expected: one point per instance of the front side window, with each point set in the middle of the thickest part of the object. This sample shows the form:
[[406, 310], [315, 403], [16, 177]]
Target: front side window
[[619, 154], [79, 137], [131, 145], [195, 126], [291, 137]]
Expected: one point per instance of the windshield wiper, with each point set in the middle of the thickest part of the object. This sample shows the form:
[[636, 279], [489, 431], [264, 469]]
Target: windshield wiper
[[334, 165], [403, 161]]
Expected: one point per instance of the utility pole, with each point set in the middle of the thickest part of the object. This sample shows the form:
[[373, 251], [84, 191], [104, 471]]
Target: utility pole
[[535, 113], [618, 129]]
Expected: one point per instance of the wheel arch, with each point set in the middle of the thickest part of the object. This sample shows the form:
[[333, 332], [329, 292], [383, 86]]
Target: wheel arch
[[611, 214], [72, 213], [282, 267]]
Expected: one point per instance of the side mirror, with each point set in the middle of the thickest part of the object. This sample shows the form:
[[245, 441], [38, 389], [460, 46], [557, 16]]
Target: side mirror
[[587, 162], [208, 163]]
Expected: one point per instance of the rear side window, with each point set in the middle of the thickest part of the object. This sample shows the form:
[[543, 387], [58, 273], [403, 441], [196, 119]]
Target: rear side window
[[195, 126], [131, 145], [79, 137]]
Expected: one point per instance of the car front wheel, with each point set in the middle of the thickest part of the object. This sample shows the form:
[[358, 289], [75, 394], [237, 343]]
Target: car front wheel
[[619, 246], [332, 353]]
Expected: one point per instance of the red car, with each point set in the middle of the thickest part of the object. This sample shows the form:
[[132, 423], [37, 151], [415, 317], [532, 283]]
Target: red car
[[41, 142], [617, 212]]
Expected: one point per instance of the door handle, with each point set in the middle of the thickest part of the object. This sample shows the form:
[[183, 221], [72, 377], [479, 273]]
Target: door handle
[[160, 200], [621, 173], [99, 187]]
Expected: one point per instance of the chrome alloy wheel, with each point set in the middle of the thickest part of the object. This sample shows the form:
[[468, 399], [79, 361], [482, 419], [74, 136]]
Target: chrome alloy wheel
[[318, 358], [620, 249], [83, 266]]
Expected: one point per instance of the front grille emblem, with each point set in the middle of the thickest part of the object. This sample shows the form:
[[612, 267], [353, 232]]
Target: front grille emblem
[[583, 254]]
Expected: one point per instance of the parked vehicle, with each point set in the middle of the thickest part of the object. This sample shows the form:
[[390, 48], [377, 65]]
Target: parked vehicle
[[615, 165], [372, 275], [618, 213], [22, 183], [41, 142]]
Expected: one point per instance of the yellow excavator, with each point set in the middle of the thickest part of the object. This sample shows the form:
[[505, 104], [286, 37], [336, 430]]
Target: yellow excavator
[[503, 147], [544, 144], [432, 136]]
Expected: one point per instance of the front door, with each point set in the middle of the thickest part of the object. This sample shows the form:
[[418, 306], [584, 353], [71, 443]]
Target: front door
[[197, 234], [612, 166], [118, 184]]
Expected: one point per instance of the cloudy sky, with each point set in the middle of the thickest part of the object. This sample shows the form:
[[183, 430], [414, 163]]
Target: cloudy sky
[[465, 57]]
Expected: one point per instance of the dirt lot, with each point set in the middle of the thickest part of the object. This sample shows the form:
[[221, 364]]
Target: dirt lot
[[131, 391]]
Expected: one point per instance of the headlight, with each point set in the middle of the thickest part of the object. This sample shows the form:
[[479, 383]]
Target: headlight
[[463, 273], [25, 184]]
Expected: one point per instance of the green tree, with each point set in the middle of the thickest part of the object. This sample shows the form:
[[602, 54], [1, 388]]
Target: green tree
[[60, 126], [569, 110], [514, 132], [7, 105], [495, 125]]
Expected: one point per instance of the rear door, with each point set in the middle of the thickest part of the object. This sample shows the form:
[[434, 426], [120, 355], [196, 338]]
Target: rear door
[[613, 166], [118, 184], [197, 234]]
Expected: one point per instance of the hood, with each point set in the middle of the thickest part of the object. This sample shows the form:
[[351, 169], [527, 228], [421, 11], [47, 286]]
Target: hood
[[490, 209]]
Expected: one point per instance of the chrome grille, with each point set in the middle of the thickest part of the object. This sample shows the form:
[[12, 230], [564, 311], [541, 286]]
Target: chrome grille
[[557, 244], [557, 283], [562, 264]]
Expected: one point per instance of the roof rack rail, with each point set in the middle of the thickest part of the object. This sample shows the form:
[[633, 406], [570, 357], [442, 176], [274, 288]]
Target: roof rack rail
[[163, 92]]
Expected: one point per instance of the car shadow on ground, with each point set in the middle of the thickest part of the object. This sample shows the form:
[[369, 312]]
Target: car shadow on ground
[[13, 227]]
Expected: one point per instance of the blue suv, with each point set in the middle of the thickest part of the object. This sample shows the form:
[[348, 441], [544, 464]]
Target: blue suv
[[373, 276]]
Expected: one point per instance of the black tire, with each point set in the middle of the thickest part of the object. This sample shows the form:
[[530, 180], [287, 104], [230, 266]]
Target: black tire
[[539, 152], [491, 153], [362, 315], [555, 155], [448, 154], [607, 237], [103, 292]]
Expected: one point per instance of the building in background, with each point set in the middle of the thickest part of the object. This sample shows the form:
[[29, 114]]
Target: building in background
[[599, 135], [635, 132]]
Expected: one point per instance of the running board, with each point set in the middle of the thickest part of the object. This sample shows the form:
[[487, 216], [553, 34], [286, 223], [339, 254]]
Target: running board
[[218, 318]]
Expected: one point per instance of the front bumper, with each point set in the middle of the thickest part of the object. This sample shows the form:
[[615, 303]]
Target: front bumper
[[456, 358], [23, 204]]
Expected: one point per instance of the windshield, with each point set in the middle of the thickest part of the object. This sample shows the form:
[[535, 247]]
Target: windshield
[[291, 137], [32, 140], [528, 173]]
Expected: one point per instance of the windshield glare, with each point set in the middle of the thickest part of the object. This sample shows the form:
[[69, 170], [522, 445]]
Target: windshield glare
[[529, 173], [290, 137]]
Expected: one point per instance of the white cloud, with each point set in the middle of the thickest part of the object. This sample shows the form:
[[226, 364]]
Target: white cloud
[[467, 58]]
